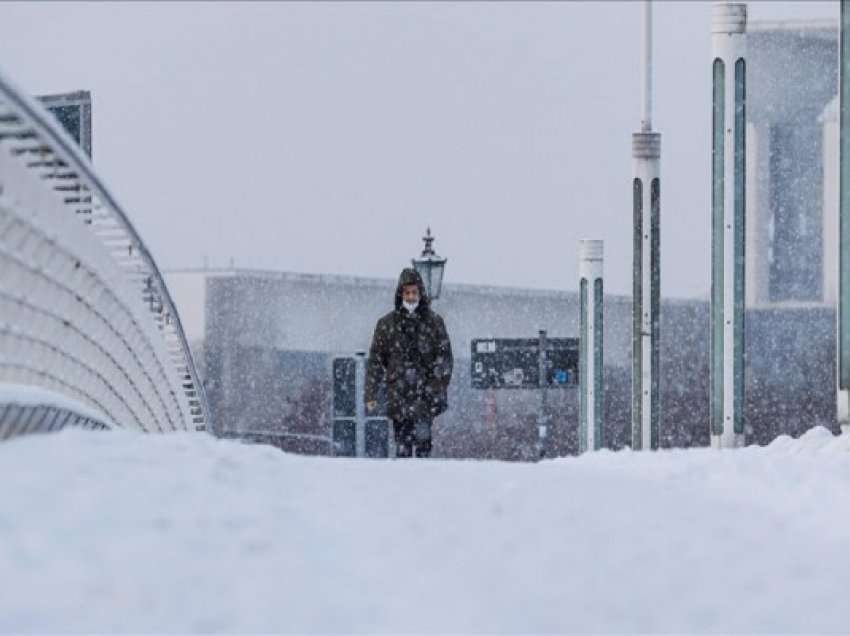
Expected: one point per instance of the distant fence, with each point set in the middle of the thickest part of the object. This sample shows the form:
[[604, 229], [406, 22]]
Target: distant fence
[[84, 311]]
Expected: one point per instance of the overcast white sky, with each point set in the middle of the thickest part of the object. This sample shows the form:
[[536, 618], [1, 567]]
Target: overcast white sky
[[325, 137]]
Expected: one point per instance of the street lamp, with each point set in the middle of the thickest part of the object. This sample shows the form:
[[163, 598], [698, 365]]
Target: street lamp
[[430, 267]]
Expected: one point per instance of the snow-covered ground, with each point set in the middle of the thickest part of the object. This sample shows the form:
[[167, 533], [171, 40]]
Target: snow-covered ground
[[122, 532]]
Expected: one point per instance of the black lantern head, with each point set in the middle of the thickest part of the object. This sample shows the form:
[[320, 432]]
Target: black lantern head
[[430, 267]]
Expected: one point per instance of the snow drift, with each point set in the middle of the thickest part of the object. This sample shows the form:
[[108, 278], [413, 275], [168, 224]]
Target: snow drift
[[116, 531]]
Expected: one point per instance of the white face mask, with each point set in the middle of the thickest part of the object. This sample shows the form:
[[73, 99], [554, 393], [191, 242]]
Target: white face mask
[[411, 307]]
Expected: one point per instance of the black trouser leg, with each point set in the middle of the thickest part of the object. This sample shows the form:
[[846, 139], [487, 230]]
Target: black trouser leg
[[423, 449], [422, 431], [404, 436]]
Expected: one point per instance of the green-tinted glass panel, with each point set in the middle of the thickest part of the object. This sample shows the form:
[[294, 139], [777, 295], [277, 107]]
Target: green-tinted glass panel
[[582, 374], [637, 310], [844, 211], [598, 361], [740, 241], [717, 220], [655, 300]]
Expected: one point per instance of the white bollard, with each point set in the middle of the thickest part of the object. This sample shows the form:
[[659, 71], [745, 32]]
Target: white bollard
[[728, 238], [591, 387]]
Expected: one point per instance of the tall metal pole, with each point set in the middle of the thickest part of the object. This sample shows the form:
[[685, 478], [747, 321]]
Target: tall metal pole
[[843, 313], [592, 396], [646, 269], [728, 234], [646, 68]]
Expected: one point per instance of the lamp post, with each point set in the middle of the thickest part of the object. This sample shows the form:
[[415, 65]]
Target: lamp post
[[430, 267], [646, 267]]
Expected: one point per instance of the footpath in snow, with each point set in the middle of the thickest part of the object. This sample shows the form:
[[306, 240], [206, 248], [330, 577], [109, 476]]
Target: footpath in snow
[[113, 531]]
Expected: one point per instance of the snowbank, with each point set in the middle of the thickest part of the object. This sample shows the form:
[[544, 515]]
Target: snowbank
[[123, 532]]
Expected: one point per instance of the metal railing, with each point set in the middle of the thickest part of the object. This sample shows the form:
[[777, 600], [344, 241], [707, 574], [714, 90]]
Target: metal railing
[[31, 410], [84, 309]]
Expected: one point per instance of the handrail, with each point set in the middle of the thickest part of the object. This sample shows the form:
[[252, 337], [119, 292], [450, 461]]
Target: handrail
[[137, 262]]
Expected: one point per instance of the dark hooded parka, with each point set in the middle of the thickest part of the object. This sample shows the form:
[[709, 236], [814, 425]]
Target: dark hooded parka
[[412, 355]]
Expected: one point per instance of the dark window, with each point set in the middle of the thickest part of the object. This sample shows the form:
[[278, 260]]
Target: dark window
[[71, 119]]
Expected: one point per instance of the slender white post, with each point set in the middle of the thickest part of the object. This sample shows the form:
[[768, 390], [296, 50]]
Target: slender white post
[[646, 267], [592, 396], [728, 237], [360, 404], [543, 372], [646, 69]]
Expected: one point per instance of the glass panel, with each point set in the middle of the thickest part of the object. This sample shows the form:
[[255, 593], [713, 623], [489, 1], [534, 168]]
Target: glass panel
[[637, 310], [655, 274], [436, 281], [345, 438], [582, 373], [717, 220], [598, 361], [740, 241], [844, 213], [344, 394]]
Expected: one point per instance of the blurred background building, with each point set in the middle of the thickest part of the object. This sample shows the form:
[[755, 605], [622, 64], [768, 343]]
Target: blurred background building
[[265, 341], [791, 182]]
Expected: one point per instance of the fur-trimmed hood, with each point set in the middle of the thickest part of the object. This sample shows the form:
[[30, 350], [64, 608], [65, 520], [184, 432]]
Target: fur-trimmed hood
[[410, 276]]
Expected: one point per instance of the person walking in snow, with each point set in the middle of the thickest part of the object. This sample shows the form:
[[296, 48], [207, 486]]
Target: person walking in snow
[[411, 355]]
